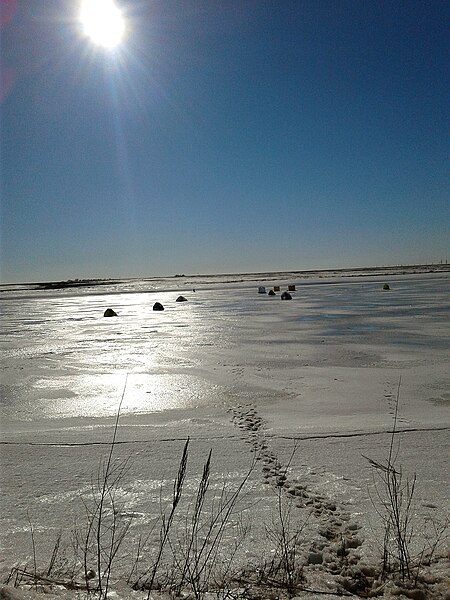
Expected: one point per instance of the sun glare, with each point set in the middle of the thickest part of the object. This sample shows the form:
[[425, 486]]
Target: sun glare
[[102, 22]]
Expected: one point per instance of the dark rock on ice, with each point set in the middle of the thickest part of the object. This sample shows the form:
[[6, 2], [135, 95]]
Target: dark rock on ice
[[386, 286], [109, 312], [272, 293], [286, 296], [261, 289], [158, 306], [181, 299]]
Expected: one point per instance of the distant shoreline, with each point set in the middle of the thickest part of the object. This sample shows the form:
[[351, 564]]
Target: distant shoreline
[[306, 273]]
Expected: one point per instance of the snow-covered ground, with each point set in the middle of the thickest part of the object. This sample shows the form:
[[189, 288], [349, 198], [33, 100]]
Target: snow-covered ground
[[243, 373]]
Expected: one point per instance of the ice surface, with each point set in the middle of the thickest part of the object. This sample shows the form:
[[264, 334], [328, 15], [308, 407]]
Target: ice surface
[[322, 369]]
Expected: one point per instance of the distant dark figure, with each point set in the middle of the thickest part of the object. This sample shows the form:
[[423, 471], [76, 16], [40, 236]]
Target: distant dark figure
[[291, 288], [109, 312], [181, 299], [286, 296], [272, 293], [193, 290], [158, 306], [276, 288], [386, 286]]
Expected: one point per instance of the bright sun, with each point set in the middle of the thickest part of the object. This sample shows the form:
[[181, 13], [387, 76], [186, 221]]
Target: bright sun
[[103, 22]]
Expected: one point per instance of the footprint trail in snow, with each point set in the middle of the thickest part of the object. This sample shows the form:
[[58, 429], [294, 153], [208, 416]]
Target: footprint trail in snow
[[335, 547]]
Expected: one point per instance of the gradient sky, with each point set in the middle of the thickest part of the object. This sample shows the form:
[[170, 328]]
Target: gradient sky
[[223, 136]]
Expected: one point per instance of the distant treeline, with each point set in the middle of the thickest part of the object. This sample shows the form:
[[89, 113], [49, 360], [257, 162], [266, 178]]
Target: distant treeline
[[56, 285]]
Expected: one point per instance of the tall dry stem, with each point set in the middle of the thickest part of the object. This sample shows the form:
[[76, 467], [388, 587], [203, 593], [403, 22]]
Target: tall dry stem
[[33, 544], [105, 531], [395, 495], [166, 524]]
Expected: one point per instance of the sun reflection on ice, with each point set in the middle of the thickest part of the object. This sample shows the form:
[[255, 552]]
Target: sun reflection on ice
[[99, 395]]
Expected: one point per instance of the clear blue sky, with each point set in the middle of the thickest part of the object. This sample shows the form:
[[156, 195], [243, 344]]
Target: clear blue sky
[[223, 136]]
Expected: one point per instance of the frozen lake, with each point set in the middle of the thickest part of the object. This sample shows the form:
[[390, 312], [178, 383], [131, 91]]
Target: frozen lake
[[62, 359], [322, 368]]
